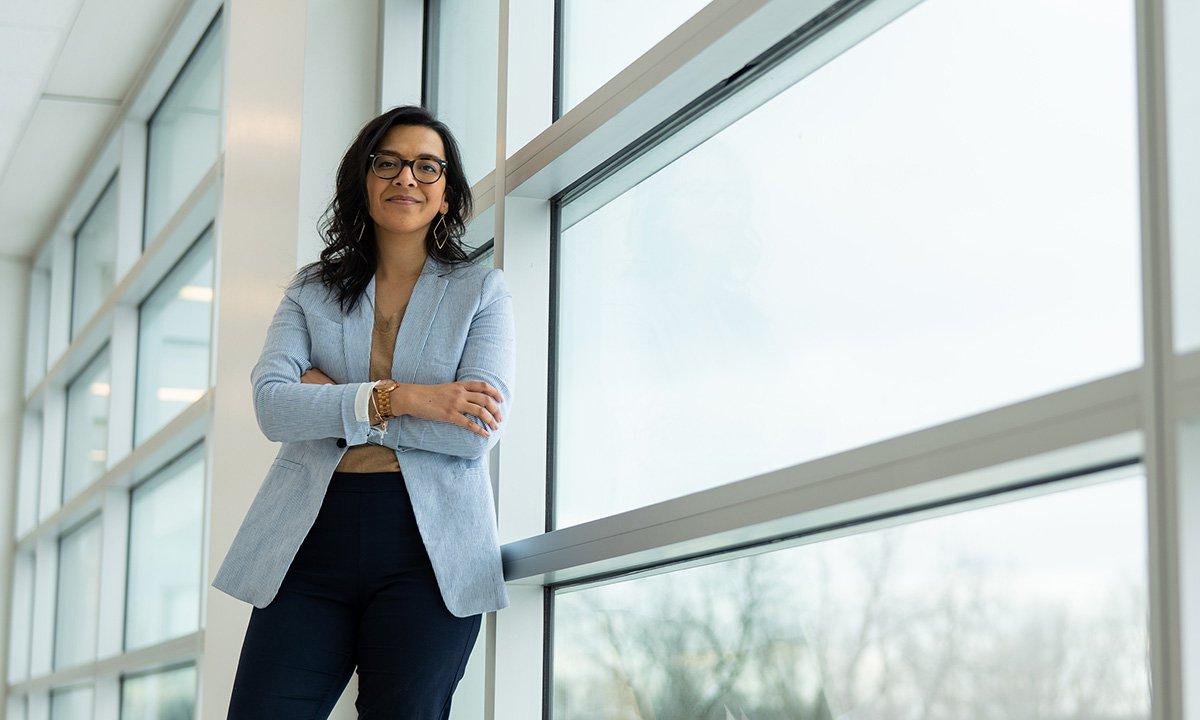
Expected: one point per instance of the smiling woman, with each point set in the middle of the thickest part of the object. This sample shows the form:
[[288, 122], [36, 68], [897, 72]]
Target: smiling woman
[[393, 345]]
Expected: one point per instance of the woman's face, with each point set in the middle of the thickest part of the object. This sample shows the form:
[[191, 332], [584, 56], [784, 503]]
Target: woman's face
[[383, 196]]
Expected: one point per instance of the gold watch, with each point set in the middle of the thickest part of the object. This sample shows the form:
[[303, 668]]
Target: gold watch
[[383, 397]]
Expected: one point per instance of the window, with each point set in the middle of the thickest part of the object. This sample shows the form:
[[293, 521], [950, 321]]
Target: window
[[599, 41], [175, 327], [95, 258], [78, 595], [893, 242], [85, 448], [38, 322], [1032, 608], [21, 618], [184, 132], [460, 77], [165, 694], [73, 703], [165, 528]]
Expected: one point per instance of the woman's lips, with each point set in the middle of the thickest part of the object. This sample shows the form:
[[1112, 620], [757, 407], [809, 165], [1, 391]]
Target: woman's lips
[[402, 201]]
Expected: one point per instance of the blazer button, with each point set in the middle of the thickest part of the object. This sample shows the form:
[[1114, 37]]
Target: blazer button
[[341, 442]]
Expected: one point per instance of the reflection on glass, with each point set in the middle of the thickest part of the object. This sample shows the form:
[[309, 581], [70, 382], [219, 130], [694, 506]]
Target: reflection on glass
[[95, 258], [173, 340], [184, 132], [167, 695], [461, 77], [163, 598], [85, 452], [1035, 608], [599, 41], [78, 595], [73, 703], [912, 244]]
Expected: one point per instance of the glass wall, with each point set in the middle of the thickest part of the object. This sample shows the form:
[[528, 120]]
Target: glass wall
[[163, 695], [184, 132], [939, 246], [821, 284], [120, 550], [85, 448], [175, 326], [73, 703], [77, 608], [1031, 608], [599, 41], [165, 532], [95, 258], [20, 628], [460, 77]]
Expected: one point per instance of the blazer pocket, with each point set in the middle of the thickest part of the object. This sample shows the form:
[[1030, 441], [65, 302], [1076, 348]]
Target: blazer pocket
[[289, 465]]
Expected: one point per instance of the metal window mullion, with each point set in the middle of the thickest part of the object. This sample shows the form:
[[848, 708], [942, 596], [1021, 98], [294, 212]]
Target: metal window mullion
[[1158, 411]]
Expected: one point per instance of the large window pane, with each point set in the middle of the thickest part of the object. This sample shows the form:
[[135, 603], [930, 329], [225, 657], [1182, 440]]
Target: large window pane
[[175, 325], [74, 703], [95, 258], [21, 616], [893, 242], [165, 523], [599, 41], [85, 452], [78, 595], [1031, 609], [167, 695], [460, 78], [18, 707], [38, 324], [184, 132]]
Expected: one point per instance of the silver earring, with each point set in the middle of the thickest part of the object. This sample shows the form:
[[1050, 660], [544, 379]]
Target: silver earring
[[442, 222]]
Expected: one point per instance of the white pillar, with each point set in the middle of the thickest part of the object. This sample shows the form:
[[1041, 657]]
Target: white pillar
[[299, 82]]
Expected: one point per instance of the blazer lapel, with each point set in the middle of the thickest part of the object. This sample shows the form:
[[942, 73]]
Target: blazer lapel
[[414, 328]]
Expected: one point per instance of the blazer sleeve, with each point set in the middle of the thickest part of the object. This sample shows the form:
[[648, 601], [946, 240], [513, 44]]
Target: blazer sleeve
[[488, 355], [288, 410]]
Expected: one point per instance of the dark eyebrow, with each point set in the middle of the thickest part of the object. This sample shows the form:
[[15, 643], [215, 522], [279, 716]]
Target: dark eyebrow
[[420, 155]]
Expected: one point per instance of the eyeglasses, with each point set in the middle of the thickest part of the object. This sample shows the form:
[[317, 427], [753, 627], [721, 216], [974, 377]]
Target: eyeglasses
[[425, 170]]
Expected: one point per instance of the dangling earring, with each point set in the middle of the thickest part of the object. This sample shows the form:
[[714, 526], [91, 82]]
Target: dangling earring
[[442, 222], [362, 227]]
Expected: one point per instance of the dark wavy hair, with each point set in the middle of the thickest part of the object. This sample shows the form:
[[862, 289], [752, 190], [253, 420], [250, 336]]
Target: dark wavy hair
[[350, 256]]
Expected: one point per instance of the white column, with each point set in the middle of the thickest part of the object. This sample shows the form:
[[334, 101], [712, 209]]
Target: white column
[[299, 81]]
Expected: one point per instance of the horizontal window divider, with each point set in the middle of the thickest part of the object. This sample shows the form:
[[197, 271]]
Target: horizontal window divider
[[1090, 427], [672, 84], [160, 255], [163, 654], [181, 433]]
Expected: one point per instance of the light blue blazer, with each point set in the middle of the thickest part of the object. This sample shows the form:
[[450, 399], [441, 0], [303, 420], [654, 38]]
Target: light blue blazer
[[458, 325]]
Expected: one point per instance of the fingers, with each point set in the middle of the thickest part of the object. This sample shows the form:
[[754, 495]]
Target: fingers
[[485, 409], [482, 387], [465, 421]]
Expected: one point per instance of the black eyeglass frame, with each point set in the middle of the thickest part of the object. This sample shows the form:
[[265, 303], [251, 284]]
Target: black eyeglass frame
[[442, 164]]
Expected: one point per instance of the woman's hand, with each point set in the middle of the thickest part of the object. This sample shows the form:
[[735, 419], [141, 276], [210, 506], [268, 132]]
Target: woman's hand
[[449, 401], [315, 376]]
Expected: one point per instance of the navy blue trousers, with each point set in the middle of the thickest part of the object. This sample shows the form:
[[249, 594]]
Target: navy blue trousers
[[360, 593]]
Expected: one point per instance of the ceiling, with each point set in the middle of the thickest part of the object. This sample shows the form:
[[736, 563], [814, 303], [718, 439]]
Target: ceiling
[[66, 67]]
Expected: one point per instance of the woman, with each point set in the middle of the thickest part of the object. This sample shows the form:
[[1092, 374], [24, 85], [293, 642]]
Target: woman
[[386, 374]]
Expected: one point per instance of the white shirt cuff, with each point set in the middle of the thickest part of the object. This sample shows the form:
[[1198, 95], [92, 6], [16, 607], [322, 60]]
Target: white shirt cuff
[[361, 399]]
